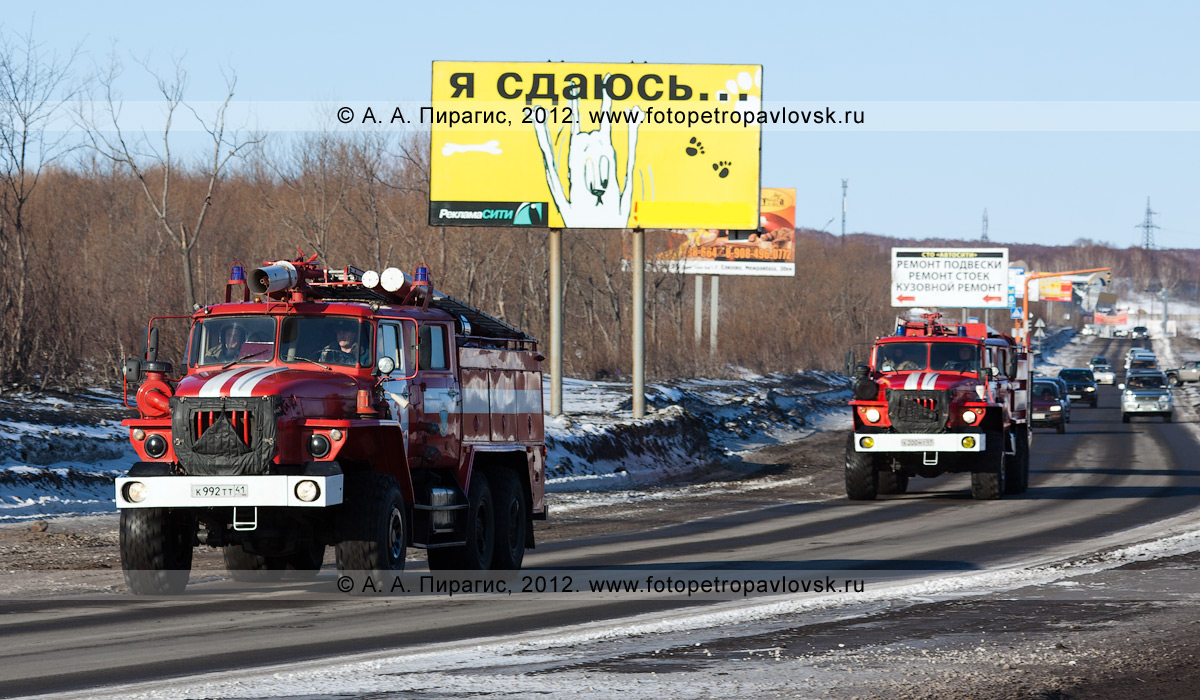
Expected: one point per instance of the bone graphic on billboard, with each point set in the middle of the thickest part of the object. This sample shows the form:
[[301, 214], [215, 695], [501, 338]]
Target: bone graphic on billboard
[[591, 171], [492, 147]]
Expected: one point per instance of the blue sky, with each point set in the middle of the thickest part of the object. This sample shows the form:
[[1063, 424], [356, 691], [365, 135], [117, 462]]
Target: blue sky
[[1051, 187]]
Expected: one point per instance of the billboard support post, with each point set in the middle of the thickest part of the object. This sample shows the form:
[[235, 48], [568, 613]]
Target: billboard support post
[[714, 297], [698, 320], [556, 338], [639, 323]]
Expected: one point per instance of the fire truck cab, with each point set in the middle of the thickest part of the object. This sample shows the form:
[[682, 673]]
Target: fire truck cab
[[364, 411], [937, 399]]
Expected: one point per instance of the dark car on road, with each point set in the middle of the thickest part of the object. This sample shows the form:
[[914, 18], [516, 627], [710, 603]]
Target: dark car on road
[[1046, 404], [1081, 385], [1139, 332]]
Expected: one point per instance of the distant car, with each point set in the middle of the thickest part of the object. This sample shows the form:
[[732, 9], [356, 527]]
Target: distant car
[[1139, 332], [1189, 372], [1088, 330], [1047, 406], [1104, 374], [1097, 360], [1062, 394], [1146, 394], [1141, 362], [1120, 333], [1081, 385]]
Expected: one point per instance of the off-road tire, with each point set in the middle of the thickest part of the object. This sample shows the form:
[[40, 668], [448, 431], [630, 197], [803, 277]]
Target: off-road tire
[[989, 484], [511, 520], [306, 561], [890, 482], [862, 480], [479, 532], [372, 528], [1017, 479], [251, 568], [156, 550]]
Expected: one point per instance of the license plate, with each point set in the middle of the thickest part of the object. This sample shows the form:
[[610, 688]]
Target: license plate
[[220, 491], [1039, 416], [1075, 396], [916, 442]]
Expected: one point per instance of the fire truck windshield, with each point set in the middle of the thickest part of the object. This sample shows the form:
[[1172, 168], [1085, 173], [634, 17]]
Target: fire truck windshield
[[333, 340], [225, 340], [902, 357]]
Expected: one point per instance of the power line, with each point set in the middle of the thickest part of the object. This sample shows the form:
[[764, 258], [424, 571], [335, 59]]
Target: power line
[[1148, 227]]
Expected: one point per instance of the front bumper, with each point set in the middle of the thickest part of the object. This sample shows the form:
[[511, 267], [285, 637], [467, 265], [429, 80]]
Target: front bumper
[[917, 442], [1154, 408], [1046, 417], [218, 491]]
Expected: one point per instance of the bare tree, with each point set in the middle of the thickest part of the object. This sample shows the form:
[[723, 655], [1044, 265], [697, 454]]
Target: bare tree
[[153, 167], [33, 89]]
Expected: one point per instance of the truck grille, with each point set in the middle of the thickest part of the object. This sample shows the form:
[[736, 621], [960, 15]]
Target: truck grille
[[242, 422], [917, 411]]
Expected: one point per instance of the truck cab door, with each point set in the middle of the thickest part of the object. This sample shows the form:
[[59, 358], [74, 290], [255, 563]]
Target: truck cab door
[[397, 340], [441, 397]]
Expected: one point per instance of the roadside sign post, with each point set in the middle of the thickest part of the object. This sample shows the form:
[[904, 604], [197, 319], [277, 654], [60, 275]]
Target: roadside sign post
[[1030, 278]]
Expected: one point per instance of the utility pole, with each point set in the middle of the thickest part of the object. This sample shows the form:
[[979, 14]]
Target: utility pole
[[845, 184], [984, 237], [1148, 227]]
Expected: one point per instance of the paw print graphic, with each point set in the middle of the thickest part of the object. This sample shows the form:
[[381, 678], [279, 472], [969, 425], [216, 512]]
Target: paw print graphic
[[722, 168], [743, 92], [694, 147]]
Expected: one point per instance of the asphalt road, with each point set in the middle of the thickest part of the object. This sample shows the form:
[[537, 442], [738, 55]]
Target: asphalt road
[[1101, 477]]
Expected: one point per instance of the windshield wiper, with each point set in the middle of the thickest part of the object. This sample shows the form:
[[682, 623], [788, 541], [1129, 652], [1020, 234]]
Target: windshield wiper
[[305, 359], [229, 364]]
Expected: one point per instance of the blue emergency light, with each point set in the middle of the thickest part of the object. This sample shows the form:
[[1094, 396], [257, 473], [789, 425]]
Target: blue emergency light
[[421, 274], [237, 273]]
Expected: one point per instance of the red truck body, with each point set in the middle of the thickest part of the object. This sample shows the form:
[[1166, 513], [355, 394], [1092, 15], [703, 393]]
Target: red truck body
[[428, 432], [937, 399]]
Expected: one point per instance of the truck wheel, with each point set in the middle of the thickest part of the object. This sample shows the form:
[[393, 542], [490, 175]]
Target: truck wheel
[[156, 550], [479, 533], [510, 521], [862, 481], [306, 561], [1017, 478], [891, 482], [372, 537], [989, 484], [1174, 379], [251, 568]]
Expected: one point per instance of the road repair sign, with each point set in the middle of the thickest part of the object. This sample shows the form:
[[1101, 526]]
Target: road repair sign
[[971, 278]]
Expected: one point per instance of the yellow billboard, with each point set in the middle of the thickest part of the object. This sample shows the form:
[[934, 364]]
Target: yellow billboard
[[595, 145]]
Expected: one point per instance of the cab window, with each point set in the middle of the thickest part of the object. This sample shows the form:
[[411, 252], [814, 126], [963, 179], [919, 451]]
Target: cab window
[[395, 340], [433, 348]]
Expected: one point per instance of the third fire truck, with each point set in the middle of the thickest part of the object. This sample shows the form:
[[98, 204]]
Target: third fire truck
[[936, 398]]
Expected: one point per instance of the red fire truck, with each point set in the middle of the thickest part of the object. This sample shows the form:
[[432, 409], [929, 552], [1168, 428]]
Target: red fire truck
[[937, 399], [360, 410]]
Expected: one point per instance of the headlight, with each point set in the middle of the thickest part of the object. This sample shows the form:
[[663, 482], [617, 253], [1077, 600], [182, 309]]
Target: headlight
[[1165, 398], [866, 442], [318, 446], [873, 415], [135, 492], [969, 417], [335, 435], [968, 442], [156, 446], [1056, 408], [138, 434], [307, 491], [1090, 388]]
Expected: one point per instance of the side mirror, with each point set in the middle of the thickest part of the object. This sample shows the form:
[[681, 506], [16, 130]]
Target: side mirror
[[132, 370], [1121, 387], [385, 365]]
